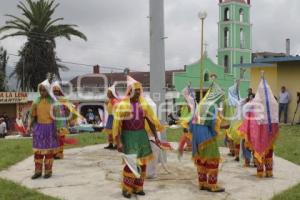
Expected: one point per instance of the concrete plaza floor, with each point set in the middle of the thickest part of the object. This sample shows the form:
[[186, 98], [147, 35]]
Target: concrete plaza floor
[[94, 173]]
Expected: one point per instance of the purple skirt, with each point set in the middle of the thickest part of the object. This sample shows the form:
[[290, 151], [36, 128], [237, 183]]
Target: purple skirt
[[109, 123], [45, 137]]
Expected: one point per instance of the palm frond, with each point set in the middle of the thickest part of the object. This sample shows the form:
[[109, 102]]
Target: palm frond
[[63, 67], [52, 23], [66, 30], [19, 33], [18, 19], [20, 26]]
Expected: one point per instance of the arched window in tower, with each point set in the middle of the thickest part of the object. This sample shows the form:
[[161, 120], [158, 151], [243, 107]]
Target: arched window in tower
[[241, 15], [226, 37], [226, 14], [242, 60], [242, 71], [206, 76], [242, 40], [226, 64]]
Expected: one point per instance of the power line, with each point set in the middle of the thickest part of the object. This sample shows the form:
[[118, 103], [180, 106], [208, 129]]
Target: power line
[[42, 40], [83, 64]]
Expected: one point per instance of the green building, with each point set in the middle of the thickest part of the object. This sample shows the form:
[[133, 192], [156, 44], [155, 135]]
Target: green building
[[234, 48], [234, 35]]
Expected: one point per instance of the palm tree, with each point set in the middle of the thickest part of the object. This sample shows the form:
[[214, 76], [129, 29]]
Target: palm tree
[[38, 56], [3, 63]]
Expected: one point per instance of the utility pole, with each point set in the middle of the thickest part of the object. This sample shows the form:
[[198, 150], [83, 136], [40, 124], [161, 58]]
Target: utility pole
[[157, 54], [202, 15]]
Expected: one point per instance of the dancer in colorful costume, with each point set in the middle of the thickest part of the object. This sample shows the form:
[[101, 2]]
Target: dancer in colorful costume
[[185, 142], [261, 129], [110, 107], [205, 126], [232, 113], [133, 114], [64, 114], [45, 140]]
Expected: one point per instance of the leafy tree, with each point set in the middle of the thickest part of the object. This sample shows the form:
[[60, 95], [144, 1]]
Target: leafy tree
[[3, 63], [38, 56]]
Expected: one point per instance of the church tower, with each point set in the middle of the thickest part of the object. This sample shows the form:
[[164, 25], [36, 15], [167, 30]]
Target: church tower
[[235, 37]]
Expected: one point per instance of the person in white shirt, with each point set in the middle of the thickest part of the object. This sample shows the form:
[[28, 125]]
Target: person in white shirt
[[284, 99], [3, 128]]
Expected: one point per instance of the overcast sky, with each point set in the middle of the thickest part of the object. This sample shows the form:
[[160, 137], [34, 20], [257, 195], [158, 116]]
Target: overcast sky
[[118, 31]]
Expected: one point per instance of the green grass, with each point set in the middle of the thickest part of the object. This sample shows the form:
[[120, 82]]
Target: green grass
[[290, 194], [13, 191], [287, 147], [173, 135], [13, 151]]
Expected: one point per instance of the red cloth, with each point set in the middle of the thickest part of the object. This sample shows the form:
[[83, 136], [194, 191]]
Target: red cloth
[[20, 129], [258, 136]]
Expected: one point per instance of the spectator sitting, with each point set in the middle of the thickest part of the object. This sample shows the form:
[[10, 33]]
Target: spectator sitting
[[90, 117], [3, 128]]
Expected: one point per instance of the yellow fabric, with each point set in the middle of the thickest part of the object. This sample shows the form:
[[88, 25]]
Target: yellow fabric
[[123, 111], [110, 107], [72, 110], [63, 132], [185, 116], [45, 151], [233, 132], [218, 123], [200, 107], [42, 111], [189, 136]]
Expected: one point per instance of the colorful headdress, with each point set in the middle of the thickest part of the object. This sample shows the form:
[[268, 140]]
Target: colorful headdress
[[234, 95], [207, 108], [132, 84], [113, 90], [56, 86]]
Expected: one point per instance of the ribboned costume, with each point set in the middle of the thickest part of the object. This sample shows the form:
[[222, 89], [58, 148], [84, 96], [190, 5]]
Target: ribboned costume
[[64, 112], [110, 107], [45, 140], [261, 130], [130, 124], [205, 127]]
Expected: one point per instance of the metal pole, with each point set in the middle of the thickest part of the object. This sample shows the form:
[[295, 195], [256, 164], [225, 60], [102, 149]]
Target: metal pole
[[157, 55], [201, 61], [23, 75]]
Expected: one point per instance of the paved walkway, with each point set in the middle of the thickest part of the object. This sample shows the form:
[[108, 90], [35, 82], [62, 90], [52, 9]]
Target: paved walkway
[[94, 173]]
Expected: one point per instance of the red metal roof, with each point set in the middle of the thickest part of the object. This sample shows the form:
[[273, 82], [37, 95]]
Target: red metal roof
[[142, 77]]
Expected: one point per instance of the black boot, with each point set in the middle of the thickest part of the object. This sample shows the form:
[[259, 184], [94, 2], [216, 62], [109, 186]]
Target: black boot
[[48, 175], [141, 193], [110, 146], [36, 175], [126, 194]]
